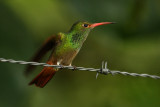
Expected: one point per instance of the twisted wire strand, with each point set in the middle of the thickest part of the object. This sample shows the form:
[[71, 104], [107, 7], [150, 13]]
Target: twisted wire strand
[[102, 70]]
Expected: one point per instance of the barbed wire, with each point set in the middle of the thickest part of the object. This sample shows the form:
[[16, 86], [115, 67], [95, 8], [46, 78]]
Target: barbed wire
[[102, 70]]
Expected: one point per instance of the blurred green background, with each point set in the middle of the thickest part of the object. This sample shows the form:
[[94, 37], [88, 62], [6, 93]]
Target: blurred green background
[[132, 45]]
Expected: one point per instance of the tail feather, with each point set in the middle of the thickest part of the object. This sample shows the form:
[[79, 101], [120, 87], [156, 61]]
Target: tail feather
[[43, 77]]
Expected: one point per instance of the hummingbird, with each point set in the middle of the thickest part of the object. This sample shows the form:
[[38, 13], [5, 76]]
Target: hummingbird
[[65, 47]]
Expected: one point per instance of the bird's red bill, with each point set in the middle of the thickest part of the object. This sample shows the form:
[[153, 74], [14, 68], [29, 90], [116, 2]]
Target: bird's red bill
[[102, 23]]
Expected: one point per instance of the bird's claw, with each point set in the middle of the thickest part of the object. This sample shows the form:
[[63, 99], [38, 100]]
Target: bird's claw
[[74, 67], [61, 66]]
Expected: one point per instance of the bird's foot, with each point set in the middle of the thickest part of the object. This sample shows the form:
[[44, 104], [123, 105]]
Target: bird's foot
[[61, 66], [74, 67]]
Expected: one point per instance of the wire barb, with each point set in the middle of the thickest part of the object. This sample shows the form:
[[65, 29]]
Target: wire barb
[[103, 70]]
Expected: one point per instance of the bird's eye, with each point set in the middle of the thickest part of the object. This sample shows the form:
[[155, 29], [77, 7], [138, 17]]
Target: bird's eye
[[85, 25]]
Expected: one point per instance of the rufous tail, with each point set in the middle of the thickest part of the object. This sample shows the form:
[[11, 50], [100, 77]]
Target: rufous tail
[[43, 77]]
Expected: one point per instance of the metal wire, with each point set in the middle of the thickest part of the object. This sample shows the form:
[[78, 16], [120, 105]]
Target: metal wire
[[102, 70]]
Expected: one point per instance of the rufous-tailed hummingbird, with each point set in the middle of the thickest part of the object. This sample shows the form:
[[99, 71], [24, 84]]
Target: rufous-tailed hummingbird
[[65, 47]]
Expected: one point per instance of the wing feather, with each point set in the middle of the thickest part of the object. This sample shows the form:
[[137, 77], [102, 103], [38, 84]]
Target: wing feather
[[49, 44]]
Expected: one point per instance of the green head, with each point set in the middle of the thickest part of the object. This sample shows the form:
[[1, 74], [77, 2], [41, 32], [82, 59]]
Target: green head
[[85, 27], [80, 30]]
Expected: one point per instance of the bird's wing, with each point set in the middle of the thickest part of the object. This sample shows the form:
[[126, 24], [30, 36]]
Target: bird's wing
[[49, 44]]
